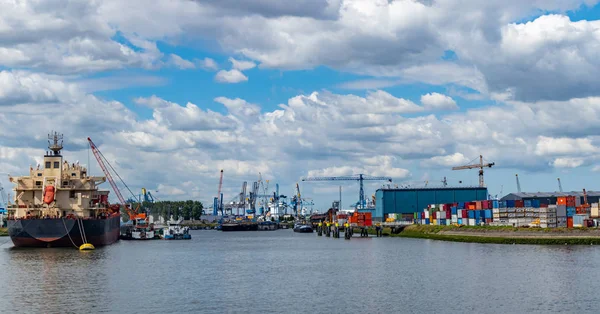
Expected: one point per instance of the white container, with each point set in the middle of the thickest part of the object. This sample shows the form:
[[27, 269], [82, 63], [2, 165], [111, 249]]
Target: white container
[[454, 218], [426, 215], [471, 222], [448, 222], [595, 210], [495, 210], [459, 212]]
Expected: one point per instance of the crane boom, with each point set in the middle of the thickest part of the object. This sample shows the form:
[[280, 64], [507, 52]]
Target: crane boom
[[480, 165], [559, 185], [518, 183], [132, 213]]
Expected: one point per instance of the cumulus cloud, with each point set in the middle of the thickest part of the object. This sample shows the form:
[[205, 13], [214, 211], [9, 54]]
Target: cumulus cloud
[[548, 146], [207, 64], [231, 76], [181, 63], [241, 65], [436, 101]]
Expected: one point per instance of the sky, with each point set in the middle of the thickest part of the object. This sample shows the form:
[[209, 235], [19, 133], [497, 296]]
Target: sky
[[175, 91]]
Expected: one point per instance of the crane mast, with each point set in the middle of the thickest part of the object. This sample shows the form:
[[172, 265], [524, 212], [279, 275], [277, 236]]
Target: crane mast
[[518, 183], [480, 166], [560, 189]]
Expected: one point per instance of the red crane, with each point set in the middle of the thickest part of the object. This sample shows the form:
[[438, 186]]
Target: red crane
[[133, 214]]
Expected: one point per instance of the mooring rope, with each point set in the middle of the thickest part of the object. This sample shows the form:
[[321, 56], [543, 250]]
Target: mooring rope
[[66, 229]]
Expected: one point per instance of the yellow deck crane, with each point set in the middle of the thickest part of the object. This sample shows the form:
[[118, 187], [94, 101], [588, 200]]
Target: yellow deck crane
[[479, 166]]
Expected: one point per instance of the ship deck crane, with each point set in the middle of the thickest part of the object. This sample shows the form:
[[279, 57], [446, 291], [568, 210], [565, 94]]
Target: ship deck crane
[[479, 166], [359, 177], [133, 213]]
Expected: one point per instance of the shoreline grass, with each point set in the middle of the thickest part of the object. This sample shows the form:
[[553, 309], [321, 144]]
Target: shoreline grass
[[3, 232], [502, 235]]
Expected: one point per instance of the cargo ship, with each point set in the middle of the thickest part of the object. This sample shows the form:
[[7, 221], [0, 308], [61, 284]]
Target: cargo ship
[[59, 205]]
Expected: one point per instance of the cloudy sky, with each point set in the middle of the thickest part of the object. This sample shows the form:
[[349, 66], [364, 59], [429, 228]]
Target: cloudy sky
[[174, 91]]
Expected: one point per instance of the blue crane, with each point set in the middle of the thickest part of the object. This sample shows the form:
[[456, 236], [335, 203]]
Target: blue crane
[[358, 177]]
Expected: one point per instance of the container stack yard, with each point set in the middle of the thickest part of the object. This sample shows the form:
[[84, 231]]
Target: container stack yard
[[569, 212]]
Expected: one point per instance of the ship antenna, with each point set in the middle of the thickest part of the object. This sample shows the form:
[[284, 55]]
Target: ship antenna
[[55, 146]]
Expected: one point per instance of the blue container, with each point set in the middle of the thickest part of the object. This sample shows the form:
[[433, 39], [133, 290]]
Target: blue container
[[477, 221], [535, 203], [571, 211], [502, 204], [442, 222], [527, 203], [477, 214], [460, 221], [461, 205], [495, 204], [453, 210], [472, 214], [426, 221], [510, 204], [488, 214]]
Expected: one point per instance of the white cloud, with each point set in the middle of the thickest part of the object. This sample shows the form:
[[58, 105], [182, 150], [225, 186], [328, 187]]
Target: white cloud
[[436, 101], [568, 162], [241, 65], [456, 159], [181, 63], [207, 64], [231, 76], [548, 146]]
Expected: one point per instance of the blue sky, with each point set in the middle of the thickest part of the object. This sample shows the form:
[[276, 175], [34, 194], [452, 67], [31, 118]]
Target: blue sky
[[398, 88]]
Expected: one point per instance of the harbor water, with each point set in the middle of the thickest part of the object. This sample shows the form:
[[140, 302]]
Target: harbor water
[[286, 272]]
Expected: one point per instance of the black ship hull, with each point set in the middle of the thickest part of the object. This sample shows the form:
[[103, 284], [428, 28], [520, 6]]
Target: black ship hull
[[63, 232], [303, 229], [239, 227]]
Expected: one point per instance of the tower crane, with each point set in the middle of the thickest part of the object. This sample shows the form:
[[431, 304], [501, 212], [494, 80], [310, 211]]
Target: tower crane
[[518, 183], [480, 166], [559, 185], [4, 203], [359, 177], [133, 214]]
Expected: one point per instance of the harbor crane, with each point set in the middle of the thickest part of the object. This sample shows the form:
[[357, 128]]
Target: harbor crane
[[133, 213], [218, 201], [518, 183], [359, 177], [479, 166], [559, 185]]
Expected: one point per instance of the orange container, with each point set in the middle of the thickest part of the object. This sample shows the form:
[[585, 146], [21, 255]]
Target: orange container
[[569, 222], [471, 207], [561, 200]]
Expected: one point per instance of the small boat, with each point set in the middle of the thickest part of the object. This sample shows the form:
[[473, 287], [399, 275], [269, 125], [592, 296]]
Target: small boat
[[140, 230], [303, 228], [175, 231]]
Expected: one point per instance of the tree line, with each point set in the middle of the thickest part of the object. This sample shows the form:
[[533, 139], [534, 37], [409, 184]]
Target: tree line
[[177, 209]]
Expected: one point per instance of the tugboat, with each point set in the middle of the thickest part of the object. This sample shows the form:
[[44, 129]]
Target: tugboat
[[59, 205], [267, 225], [175, 231], [303, 228], [139, 229]]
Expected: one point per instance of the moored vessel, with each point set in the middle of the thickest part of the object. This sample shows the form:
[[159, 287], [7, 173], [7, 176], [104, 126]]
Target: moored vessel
[[59, 205]]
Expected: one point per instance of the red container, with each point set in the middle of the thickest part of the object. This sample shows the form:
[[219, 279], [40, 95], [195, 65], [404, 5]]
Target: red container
[[519, 204], [478, 205], [465, 214], [488, 220], [447, 207], [433, 215], [448, 215], [569, 222], [543, 205]]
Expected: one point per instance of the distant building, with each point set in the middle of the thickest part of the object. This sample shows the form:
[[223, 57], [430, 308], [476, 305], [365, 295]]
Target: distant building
[[409, 201], [550, 197]]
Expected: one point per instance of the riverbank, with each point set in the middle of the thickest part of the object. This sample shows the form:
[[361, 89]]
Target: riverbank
[[3, 232], [502, 235]]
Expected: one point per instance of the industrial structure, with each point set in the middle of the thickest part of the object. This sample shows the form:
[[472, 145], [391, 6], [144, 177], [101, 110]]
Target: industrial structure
[[362, 203], [409, 201], [549, 198], [479, 166]]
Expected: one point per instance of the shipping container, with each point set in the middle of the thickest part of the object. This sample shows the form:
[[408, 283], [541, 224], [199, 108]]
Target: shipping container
[[427, 221], [461, 205], [488, 213], [502, 204], [578, 220], [448, 215], [454, 209], [471, 221], [527, 203], [510, 203], [519, 203], [535, 203], [478, 214], [561, 210], [460, 221], [495, 204], [561, 200]]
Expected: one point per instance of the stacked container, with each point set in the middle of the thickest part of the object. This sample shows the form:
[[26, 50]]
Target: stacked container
[[548, 217]]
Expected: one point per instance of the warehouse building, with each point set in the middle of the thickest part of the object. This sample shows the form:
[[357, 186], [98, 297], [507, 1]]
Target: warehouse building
[[549, 198], [409, 201]]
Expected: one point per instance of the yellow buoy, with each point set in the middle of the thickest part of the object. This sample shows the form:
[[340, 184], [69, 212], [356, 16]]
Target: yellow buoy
[[86, 247]]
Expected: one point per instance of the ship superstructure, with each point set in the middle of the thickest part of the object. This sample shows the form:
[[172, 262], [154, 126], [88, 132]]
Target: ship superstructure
[[58, 194]]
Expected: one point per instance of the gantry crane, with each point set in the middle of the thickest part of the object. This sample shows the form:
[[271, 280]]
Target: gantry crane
[[359, 177], [133, 214], [218, 201], [480, 165], [518, 183]]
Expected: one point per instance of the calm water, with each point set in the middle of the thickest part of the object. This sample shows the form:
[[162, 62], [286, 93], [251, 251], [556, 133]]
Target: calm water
[[286, 272]]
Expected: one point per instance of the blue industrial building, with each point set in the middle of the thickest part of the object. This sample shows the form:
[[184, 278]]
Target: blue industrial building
[[408, 201]]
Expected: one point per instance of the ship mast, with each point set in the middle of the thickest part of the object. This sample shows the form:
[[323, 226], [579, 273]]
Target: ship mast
[[55, 146]]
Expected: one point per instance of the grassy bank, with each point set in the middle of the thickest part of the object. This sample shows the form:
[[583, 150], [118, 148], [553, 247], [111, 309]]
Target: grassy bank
[[3, 232], [503, 235]]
